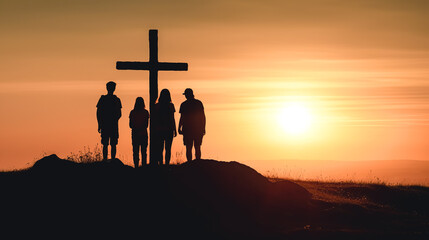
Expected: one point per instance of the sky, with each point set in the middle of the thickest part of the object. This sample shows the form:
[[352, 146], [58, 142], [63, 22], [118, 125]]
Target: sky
[[354, 72]]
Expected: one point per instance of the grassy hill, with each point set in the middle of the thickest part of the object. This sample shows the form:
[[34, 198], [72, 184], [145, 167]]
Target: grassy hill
[[203, 199]]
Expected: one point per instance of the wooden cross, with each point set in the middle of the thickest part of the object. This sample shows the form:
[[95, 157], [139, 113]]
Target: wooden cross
[[153, 66]]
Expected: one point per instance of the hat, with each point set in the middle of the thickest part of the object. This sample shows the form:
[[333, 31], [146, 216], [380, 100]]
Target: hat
[[188, 91]]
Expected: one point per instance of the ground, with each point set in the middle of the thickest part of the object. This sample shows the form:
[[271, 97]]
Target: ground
[[203, 199]]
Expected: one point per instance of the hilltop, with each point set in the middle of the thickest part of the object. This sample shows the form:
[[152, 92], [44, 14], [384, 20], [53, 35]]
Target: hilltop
[[204, 199]]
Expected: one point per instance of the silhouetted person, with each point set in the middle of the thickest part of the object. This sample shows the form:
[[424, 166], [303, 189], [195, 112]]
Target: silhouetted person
[[192, 124], [139, 119], [164, 126], [108, 114]]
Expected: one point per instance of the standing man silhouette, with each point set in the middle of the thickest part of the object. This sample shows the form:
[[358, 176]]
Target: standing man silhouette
[[108, 114], [192, 124]]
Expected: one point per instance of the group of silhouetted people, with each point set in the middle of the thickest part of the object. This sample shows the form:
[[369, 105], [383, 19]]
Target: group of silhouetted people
[[191, 125]]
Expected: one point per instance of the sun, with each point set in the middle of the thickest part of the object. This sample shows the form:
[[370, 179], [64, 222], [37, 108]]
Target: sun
[[295, 118]]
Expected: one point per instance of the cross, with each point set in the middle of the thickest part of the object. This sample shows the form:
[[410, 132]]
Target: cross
[[153, 66]]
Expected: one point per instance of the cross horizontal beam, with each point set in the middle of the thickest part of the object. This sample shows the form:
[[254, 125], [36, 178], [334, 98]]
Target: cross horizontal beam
[[164, 66]]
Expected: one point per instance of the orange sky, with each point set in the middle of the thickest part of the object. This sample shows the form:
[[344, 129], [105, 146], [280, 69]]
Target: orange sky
[[361, 68]]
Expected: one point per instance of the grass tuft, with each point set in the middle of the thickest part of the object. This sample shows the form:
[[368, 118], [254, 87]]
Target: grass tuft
[[87, 155]]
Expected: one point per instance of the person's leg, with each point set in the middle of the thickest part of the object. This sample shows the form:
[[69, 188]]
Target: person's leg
[[168, 143], [113, 151], [144, 154], [144, 150], [105, 143], [136, 155], [189, 152], [113, 143], [187, 141], [157, 150], [197, 151], [105, 152], [161, 150], [197, 143]]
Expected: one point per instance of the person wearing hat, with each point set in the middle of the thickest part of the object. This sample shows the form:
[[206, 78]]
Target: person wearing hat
[[108, 114], [192, 124]]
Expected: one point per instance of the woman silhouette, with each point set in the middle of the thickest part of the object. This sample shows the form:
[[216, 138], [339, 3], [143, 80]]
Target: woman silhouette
[[139, 118], [164, 126]]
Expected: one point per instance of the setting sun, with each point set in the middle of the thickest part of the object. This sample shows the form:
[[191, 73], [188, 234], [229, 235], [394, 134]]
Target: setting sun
[[295, 118]]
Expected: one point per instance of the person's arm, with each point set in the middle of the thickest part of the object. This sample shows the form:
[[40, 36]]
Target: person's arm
[[180, 128], [203, 116], [180, 125], [131, 119], [174, 121], [119, 109], [99, 114], [146, 122], [99, 119]]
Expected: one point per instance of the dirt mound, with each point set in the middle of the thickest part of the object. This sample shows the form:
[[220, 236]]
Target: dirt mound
[[53, 163], [233, 183], [197, 199]]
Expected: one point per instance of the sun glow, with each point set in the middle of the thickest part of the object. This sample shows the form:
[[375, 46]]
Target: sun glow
[[295, 118]]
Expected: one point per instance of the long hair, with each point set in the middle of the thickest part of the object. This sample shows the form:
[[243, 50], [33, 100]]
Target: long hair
[[164, 97], [139, 105]]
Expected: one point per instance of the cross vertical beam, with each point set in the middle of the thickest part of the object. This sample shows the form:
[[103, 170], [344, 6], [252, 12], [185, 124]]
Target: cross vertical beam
[[153, 87], [153, 66], [153, 71]]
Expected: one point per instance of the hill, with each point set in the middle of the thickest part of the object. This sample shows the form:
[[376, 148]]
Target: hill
[[404, 172], [203, 199]]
